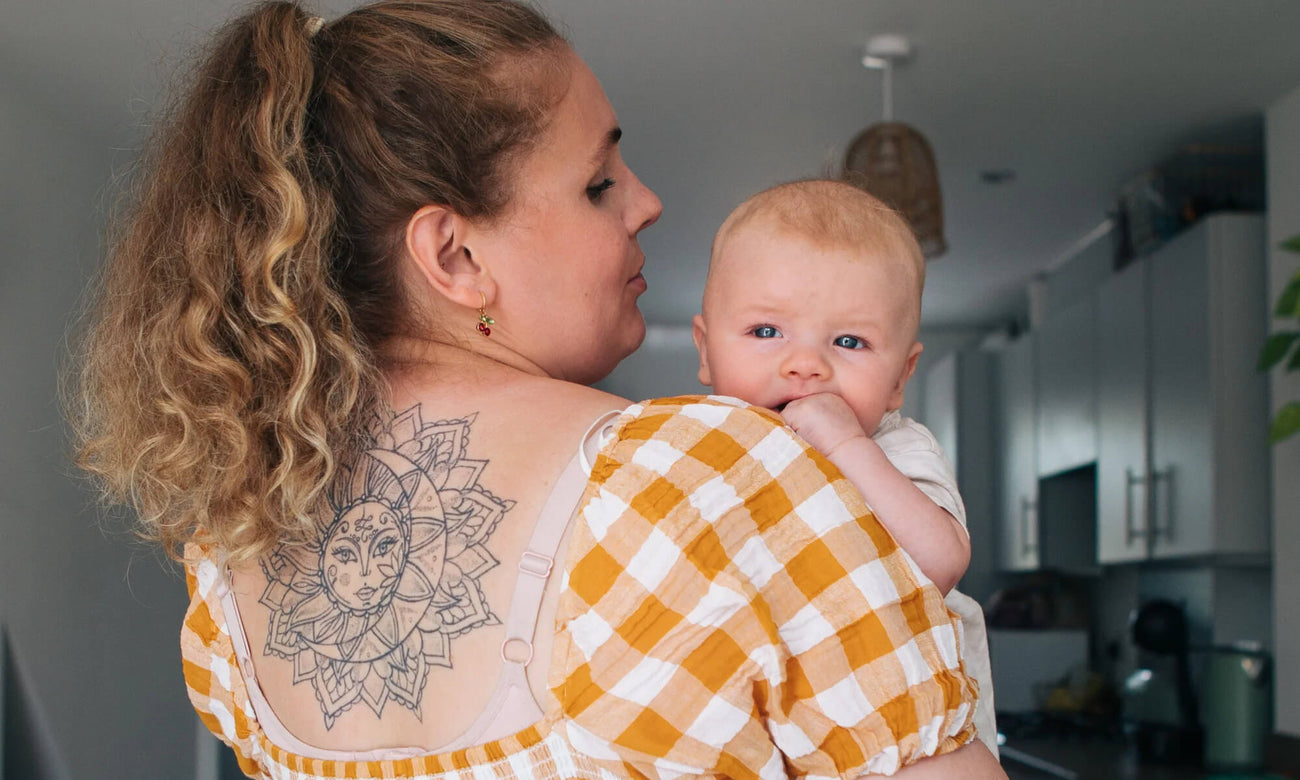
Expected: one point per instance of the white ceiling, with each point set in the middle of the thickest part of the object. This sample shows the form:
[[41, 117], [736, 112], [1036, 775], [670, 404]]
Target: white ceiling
[[721, 97]]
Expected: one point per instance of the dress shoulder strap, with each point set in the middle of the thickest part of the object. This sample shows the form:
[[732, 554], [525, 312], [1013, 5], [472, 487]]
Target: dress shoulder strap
[[597, 435]]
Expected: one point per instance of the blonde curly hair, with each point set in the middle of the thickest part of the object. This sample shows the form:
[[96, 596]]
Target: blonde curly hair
[[232, 354]]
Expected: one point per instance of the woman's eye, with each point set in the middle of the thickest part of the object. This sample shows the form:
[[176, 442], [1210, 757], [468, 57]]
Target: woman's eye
[[596, 190], [384, 546], [766, 332], [850, 342], [343, 554]]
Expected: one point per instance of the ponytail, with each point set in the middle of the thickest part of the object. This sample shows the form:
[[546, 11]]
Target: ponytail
[[222, 376]]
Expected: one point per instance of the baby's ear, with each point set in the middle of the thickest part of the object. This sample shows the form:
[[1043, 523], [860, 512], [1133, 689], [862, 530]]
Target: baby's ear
[[909, 368], [697, 333]]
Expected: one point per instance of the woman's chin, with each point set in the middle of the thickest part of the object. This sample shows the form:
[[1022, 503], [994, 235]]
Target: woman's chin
[[615, 349], [636, 336]]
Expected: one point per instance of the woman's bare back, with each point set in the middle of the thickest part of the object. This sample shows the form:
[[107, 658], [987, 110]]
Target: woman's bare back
[[388, 632]]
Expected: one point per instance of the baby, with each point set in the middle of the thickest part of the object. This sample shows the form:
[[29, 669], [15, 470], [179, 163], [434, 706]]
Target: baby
[[811, 309]]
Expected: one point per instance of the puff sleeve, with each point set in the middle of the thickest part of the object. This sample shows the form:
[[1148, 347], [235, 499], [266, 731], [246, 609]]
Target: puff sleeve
[[208, 662], [731, 608]]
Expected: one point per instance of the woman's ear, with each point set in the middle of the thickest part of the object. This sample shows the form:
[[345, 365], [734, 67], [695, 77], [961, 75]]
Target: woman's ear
[[435, 243]]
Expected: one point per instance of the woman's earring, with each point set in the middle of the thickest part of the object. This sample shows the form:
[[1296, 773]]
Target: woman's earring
[[483, 319]]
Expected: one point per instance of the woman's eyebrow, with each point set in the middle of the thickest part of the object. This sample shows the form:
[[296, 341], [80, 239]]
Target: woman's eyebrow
[[611, 140]]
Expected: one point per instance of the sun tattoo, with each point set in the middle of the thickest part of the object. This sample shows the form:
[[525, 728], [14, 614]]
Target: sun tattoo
[[365, 610]]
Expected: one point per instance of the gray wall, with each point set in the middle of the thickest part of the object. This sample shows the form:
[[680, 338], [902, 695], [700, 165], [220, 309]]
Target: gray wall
[[1283, 139], [92, 618], [665, 365], [938, 343]]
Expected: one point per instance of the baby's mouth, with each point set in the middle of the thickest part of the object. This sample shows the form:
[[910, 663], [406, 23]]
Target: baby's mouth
[[783, 403]]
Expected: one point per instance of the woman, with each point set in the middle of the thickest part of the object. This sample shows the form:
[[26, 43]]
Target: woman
[[342, 354]]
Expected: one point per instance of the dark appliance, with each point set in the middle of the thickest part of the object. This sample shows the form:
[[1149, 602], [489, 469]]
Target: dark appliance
[[1160, 712]]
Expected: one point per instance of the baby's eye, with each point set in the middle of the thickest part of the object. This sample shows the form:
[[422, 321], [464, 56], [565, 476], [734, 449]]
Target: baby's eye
[[765, 332], [850, 342], [598, 189]]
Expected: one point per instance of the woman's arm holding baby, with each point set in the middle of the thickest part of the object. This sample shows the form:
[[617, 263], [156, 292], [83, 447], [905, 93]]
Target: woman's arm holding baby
[[928, 533], [970, 761]]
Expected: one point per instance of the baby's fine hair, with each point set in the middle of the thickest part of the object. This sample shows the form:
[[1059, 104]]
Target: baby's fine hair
[[833, 215]]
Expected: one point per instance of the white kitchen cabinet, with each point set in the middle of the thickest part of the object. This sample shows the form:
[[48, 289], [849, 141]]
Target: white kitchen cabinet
[[1067, 402], [1209, 411], [1016, 414], [1122, 430], [1154, 379]]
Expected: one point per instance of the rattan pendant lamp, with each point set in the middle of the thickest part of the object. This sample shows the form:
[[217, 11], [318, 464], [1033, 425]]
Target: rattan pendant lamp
[[893, 161]]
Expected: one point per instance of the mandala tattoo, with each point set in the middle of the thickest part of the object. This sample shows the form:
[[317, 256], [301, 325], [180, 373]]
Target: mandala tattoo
[[365, 610]]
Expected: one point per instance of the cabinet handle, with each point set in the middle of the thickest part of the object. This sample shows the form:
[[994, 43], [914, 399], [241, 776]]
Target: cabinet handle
[[1163, 477], [1034, 525], [1131, 530], [1027, 506]]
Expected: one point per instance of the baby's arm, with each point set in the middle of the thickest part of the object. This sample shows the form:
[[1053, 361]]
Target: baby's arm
[[933, 537]]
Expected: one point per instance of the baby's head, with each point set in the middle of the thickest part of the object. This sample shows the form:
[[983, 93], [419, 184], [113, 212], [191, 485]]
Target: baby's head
[[814, 286]]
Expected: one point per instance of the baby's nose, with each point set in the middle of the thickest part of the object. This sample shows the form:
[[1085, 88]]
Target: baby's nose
[[804, 363]]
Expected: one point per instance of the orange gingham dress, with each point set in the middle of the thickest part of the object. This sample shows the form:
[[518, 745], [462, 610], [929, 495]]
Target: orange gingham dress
[[730, 608]]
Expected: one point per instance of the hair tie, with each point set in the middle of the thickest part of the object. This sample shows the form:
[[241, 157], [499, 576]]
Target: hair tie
[[313, 26]]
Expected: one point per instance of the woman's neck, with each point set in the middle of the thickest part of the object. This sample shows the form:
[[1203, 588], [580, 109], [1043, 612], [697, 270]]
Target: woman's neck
[[408, 359]]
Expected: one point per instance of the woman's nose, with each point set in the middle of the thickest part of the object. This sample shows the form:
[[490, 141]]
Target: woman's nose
[[647, 207]]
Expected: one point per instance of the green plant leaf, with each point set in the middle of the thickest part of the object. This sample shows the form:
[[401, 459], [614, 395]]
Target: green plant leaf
[[1275, 349], [1288, 303], [1286, 423], [1294, 363], [1292, 244]]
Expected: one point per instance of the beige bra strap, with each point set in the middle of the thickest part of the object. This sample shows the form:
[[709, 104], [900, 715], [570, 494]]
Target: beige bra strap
[[538, 558], [511, 706], [536, 561]]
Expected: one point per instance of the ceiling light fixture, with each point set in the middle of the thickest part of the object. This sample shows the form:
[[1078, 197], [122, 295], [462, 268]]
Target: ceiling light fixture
[[892, 160]]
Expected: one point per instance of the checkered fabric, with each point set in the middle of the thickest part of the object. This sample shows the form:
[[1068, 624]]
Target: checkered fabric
[[730, 609], [733, 609]]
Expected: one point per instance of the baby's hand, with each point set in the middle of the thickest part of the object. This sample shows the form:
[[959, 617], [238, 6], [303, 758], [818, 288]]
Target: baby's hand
[[824, 420]]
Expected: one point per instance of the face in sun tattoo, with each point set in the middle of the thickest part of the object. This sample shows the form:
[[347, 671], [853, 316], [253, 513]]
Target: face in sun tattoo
[[366, 609]]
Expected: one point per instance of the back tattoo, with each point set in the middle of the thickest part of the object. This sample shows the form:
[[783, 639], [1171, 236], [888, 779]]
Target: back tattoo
[[366, 609]]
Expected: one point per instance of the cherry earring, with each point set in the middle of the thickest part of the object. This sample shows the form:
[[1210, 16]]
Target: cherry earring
[[483, 319]]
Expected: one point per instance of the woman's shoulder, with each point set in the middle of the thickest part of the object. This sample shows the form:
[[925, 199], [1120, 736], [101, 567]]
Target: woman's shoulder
[[514, 418]]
